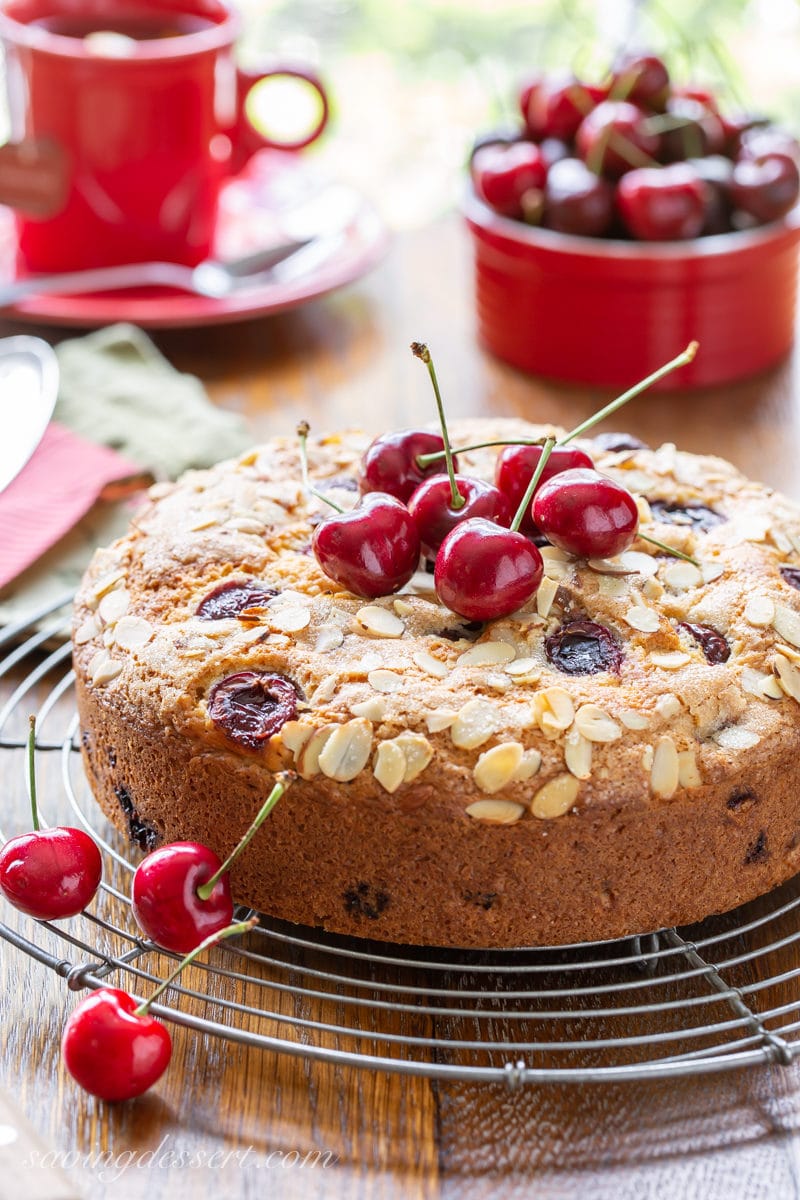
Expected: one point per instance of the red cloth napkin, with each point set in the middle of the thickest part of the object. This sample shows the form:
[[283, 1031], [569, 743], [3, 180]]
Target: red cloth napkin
[[56, 488]]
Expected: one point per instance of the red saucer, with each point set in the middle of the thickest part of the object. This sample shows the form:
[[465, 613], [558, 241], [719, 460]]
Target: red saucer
[[258, 209]]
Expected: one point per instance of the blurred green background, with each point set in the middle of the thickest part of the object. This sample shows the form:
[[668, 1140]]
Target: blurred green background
[[414, 81]]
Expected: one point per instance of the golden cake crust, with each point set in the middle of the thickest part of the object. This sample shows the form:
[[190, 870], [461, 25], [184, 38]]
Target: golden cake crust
[[457, 788]]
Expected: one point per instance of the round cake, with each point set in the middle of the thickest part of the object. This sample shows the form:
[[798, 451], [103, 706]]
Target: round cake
[[620, 755]]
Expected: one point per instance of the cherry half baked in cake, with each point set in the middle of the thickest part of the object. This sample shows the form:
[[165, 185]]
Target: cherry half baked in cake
[[541, 737]]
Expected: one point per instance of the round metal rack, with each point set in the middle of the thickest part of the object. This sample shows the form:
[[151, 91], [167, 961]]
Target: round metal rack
[[720, 995]]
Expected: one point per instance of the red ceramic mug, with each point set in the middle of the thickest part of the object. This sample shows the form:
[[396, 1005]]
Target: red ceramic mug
[[126, 118]]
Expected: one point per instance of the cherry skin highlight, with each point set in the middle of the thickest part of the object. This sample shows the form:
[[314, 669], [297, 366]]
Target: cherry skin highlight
[[484, 572], [586, 514], [431, 508]]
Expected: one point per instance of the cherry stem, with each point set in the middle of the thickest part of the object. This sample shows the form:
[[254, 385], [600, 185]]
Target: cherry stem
[[547, 450], [681, 360], [669, 549], [230, 931], [425, 460], [421, 351], [303, 430], [283, 782], [32, 772]]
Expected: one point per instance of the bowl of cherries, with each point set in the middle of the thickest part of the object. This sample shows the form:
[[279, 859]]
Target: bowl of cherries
[[622, 219]]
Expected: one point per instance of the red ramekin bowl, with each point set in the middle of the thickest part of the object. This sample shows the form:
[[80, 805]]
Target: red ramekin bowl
[[606, 312]]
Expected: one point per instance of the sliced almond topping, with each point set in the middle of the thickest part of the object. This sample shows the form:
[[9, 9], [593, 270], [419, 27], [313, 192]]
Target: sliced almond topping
[[759, 611], [786, 622], [643, 564], [596, 725], [647, 758], [554, 710], [347, 750], [788, 652], [788, 676], [402, 607], [328, 638], [556, 797], [531, 761], [114, 605], [499, 812], [610, 566], [475, 724], [87, 630], [670, 660], [548, 589], [664, 773], [246, 525], [440, 718], [106, 583], [773, 690], [375, 621], [104, 669], [643, 619], [578, 755], [688, 773], [373, 709], [324, 691], [132, 632], [384, 680], [682, 575], [634, 720], [389, 766], [616, 587], [308, 761], [652, 589], [523, 667], [668, 706], [711, 571], [418, 753], [289, 619], [736, 737], [496, 768], [645, 514], [430, 665], [295, 734], [486, 654]]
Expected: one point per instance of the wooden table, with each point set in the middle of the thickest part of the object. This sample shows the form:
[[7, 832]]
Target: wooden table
[[338, 362]]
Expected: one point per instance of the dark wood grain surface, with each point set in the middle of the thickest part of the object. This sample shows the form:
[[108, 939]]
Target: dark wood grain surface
[[338, 362]]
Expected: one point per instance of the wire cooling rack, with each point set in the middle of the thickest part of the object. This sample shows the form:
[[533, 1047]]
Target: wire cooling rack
[[722, 994]]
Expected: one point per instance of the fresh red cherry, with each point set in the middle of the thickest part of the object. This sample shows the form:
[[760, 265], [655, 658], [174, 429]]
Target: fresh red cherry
[[662, 204], [431, 507], [181, 892], [527, 90], [766, 188], [576, 200], [640, 77], [700, 131], [484, 572], [553, 150], [111, 1044], [49, 874], [111, 1051], [768, 139], [390, 463], [736, 125], [516, 465], [586, 514], [165, 900], [373, 550], [700, 94], [510, 178], [716, 172], [615, 137], [559, 104]]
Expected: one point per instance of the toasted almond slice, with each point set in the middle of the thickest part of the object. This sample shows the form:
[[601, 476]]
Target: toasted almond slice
[[668, 706], [611, 566], [324, 691], [554, 710], [476, 722], [496, 768], [596, 725], [402, 607], [430, 665], [578, 754], [487, 654], [555, 798], [114, 605], [289, 618], [347, 750], [786, 623], [670, 660], [523, 666], [664, 773], [788, 676], [633, 720], [308, 761], [389, 766], [132, 632], [329, 637], [384, 680], [417, 751], [688, 773], [773, 690], [498, 812], [759, 611], [87, 630], [373, 709], [105, 670], [105, 583], [440, 718], [294, 735], [531, 761], [736, 737], [681, 576], [548, 590], [246, 525], [375, 621], [711, 571], [645, 620]]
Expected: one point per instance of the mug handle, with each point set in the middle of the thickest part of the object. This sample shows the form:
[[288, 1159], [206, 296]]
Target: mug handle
[[246, 138]]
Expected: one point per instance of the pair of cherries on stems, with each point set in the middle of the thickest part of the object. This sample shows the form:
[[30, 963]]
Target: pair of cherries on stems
[[486, 564], [49, 874], [181, 892], [113, 1047]]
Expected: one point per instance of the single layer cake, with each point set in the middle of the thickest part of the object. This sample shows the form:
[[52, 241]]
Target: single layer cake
[[619, 756]]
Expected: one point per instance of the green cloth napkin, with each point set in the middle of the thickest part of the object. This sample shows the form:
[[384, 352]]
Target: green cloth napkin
[[116, 388]]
